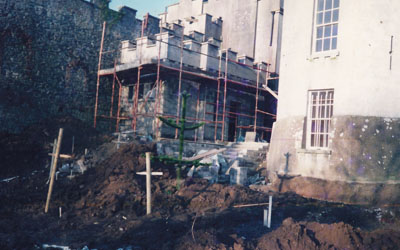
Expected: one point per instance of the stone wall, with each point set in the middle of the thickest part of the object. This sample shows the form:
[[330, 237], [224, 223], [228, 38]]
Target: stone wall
[[49, 57]]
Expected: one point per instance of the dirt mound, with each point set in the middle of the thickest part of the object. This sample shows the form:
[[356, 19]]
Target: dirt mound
[[112, 186], [21, 153], [105, 209], [313, 235], [202, 196]]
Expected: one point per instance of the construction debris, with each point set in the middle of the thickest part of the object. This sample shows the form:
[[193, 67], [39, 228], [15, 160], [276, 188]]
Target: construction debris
[[9, 179]]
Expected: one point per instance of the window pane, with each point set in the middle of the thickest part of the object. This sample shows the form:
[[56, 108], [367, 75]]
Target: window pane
[[336, 4], [313, 114], [314, 98], [328, 5], [335, 16], [323, 112], [319, 46], [320, 5], [320, 17], [334, 43], [319, 32], [326, 141], [312, 140], [322, 97], [321, 140], [330, 95], [328, 17], [313, 126], [327, 44], [327, 32], [334, 29]]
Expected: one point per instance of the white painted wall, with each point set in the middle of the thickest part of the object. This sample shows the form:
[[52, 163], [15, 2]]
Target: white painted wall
[[246, 26], [360, 74]]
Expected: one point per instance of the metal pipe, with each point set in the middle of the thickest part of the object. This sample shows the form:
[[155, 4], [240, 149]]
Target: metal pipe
[[113, 87], [119, 106], [155, 130], [136, 100], [197, 111], [266, 113], [269, 211], [215, 79], [256, 108], [98, 74], [226, 83], [159, 100], [180, 82], [219, 83]]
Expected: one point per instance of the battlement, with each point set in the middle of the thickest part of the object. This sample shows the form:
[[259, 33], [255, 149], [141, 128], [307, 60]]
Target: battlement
[[197, 53]]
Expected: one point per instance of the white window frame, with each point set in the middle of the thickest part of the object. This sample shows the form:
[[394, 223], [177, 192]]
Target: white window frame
[[319, 118], [325, 29]]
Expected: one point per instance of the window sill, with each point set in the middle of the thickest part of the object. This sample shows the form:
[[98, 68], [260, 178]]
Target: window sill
[[314, 151], [332, 54]]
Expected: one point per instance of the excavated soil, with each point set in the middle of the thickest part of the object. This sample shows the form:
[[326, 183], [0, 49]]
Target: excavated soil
[[27, 151], [104, 208]]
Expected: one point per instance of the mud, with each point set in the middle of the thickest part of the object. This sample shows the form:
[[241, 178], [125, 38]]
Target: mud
[[105, 209]]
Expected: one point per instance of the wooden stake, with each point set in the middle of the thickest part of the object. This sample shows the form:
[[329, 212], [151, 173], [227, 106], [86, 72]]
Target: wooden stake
[[53, 169], [52, 159], [62, 156], [148, 174], [148, 183], [73, 145], [251, 205]]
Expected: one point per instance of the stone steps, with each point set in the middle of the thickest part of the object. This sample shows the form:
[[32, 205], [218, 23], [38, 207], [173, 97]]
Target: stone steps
[[249, 154]]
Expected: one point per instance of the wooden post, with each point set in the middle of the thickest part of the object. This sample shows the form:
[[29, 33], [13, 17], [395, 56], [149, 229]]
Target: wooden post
[[53, 169], [52, 158], [148, 183], [73, 145], [148, 174]]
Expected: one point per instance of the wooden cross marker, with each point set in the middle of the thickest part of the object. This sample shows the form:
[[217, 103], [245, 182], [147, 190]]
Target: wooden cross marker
[[148, 174], [53, 169]]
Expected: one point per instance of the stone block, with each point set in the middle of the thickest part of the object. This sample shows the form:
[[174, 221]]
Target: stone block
[[250, 137]]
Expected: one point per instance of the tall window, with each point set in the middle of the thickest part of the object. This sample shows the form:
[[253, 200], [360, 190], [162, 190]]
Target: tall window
[[326, 28], [320, 110]]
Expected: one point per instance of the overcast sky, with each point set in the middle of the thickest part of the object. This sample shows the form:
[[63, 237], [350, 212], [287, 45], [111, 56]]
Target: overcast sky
[[154, 7]]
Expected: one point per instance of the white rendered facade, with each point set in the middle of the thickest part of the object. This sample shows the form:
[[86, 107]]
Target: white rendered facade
[[250, 27], [361, 69]]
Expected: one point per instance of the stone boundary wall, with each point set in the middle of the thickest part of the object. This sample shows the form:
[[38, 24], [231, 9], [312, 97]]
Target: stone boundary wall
[[49, 57]]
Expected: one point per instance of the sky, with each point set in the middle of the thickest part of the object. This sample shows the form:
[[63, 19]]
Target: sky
[[154, 7]]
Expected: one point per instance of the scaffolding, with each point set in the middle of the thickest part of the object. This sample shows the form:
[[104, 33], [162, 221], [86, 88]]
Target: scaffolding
[[220, 79]]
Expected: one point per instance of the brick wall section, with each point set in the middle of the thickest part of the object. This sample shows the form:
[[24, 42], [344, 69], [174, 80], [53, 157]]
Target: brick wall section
[[49, 57]]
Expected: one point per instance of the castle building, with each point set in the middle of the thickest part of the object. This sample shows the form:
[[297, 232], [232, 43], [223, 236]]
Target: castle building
[[226, 55]]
